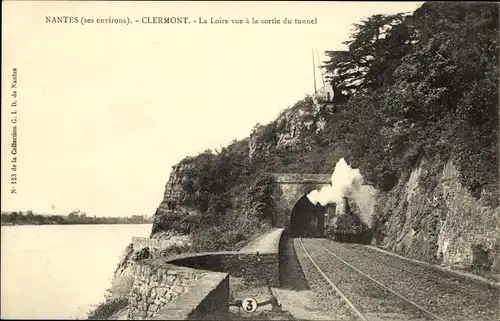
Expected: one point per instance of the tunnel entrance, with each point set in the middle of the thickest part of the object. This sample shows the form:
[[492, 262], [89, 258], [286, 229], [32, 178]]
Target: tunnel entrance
[[307, 219]]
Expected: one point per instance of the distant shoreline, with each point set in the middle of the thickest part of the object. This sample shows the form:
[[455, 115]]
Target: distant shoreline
[[61, 224], [74, 218]]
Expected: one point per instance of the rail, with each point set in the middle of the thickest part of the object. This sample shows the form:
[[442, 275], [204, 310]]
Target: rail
[[335, 288]]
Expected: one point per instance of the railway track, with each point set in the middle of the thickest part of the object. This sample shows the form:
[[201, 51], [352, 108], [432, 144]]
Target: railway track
[[440, 292], [447, 280], [355, 278]]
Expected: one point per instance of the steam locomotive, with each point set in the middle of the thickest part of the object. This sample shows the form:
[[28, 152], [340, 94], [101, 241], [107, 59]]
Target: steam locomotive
[[348, 227]]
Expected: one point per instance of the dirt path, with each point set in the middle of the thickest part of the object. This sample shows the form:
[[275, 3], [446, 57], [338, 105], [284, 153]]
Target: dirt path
[[267, 243]]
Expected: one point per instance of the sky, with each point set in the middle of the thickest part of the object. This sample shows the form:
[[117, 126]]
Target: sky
[[106, 110]]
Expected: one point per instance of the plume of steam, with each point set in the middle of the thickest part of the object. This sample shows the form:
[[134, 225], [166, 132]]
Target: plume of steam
[[345, 182]]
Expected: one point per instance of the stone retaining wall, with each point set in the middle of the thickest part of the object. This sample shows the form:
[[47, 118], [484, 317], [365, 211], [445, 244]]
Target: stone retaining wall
[[283, 178], [261, 269], [160, 244], [155, 286], [141, 242], [207, 300], [196, 286]]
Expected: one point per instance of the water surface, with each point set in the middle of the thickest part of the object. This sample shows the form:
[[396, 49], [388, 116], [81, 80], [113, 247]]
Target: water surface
[[59, 271]]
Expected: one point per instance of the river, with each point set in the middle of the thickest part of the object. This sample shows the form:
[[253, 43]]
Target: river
[[59, 271]]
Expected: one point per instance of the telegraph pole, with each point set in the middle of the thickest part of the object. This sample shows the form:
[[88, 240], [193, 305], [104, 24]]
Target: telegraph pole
[[314, 73], [320, 71]]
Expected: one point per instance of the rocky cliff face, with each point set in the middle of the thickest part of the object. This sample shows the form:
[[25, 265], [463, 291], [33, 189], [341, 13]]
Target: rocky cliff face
[[296, 125], [429, 215], [171, 203], [293, 128], [173, 189]]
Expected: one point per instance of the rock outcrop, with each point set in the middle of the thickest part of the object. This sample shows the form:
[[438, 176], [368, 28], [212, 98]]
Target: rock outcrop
[[171, 207], [293, 128], [429, 215], [173, 189]]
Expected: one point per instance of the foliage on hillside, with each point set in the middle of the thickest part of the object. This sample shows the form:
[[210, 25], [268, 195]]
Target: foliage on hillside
[[420, 83], [417, 84], [232, 196], [439, 94]]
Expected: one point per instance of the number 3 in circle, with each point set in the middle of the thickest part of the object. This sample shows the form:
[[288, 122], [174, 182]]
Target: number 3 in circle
[[249, 305]]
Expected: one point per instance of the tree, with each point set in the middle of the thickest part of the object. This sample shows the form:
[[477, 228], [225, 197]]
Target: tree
[[73, 216], [427, 82], [13, 217], [448, 86], [375, 44]]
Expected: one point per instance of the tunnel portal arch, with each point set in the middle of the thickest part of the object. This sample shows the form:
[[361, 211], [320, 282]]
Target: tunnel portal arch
[[307, 219], [292, 189]]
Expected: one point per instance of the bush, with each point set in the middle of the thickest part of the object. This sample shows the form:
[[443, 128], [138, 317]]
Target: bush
[[106, 309], [233, 234], [177, 221], [141, 254], [231, 198]]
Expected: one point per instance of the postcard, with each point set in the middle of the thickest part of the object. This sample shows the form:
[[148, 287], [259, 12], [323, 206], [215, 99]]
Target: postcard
[[250, 160]]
